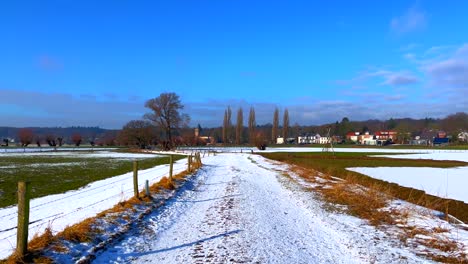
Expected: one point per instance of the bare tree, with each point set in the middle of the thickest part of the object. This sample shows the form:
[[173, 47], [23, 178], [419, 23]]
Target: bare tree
[[25, 136], [227, 126], [38, 139], [260, 140], [252, 125], [239, 126], [137, 132], [50, 139], [224, 132], [166, 115], [60, 141], [76, 138], [274, 130], [285, 125]]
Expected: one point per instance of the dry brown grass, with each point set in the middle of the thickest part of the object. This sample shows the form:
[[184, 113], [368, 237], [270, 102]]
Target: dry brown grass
[[364, 203], [81, 232], [37, 244], [166, 183]]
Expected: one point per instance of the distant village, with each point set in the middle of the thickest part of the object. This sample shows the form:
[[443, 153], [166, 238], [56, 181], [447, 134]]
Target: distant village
[[379, 138]]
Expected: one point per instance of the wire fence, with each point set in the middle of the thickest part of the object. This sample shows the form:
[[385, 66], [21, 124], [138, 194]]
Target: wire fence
[[107, 190]]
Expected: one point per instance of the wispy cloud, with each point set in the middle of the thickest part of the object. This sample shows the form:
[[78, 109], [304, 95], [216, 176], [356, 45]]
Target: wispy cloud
[[387, 77], [400, 78], [412, 20], [448, 70]]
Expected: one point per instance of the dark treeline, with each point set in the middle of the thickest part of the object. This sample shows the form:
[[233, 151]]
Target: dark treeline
[[87, 134]]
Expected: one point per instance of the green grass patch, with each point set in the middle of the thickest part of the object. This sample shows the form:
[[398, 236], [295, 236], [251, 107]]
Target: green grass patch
[[52, 174], [336, 165]]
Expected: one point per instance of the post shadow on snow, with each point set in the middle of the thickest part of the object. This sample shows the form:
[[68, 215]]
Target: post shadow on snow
[[207, 200], [183, 245]]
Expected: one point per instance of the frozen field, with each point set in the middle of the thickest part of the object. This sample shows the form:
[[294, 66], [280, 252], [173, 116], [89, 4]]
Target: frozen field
[[81, 154], [447, 183], [442, 182]]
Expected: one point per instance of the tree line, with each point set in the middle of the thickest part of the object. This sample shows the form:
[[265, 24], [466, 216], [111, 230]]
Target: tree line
[[166, 126]]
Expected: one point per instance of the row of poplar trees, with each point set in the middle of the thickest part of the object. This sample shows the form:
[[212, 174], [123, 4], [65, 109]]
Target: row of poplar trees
[[253, 134]]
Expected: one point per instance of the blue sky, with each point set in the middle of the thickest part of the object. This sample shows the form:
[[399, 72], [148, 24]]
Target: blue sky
[[94, 63]]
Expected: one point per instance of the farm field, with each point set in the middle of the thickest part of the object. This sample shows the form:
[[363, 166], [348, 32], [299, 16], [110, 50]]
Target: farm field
[[402, 163], [110, 182], [442, 182], [57, 172]]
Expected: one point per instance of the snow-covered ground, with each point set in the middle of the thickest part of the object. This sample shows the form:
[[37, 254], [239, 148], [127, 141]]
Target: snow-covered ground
[[240, 208], [360, 150], [82, 154], [459, 155], [442, 182], [58, 211], [48, 149]]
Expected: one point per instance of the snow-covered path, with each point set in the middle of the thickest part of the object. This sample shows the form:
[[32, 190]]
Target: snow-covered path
[[239, 208]]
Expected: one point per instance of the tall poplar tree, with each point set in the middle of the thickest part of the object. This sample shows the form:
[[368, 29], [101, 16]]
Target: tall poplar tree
[[285, 125], [252, 125], [274, 130], [239, 126], [227, 126]]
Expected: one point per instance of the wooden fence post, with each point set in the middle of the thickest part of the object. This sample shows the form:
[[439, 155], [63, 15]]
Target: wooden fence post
[[23, 219], [189, 167], [147, 188], [171, 166], [135, 178]]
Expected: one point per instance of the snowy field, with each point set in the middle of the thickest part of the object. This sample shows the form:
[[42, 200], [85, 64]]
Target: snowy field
[[442, 182], [81, 154], [58, 211], [48, 149]]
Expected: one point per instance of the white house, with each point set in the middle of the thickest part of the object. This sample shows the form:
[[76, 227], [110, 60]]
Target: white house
[[463, 136], [323, 140]]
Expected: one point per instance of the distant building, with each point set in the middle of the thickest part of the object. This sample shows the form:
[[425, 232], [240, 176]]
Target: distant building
[[367, 139], [463, 136], [440, 141], [385, 135], [419, 141], [279, 140], [352, 136]]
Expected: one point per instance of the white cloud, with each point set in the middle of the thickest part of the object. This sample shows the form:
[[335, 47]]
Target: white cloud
[[391, 78], [448, 70], [399, 79], [412, 20]]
